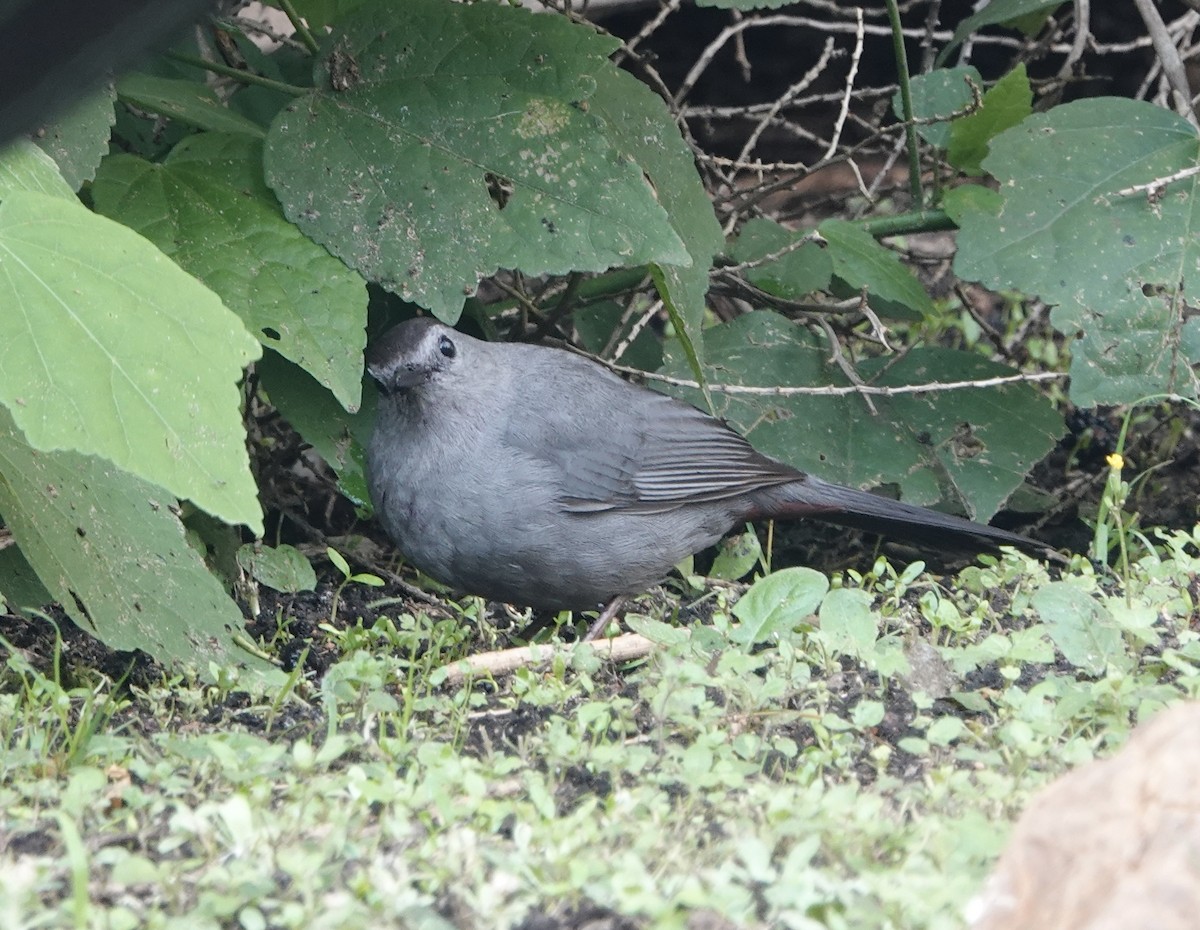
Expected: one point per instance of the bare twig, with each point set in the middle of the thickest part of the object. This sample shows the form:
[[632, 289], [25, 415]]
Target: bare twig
[[855, 57], [1168, 56], [929, 387], [838, 357], [1083, 20], [648, 30], [622, 648], [793, 246], [1154, 189], [638, 325], [806, 81]]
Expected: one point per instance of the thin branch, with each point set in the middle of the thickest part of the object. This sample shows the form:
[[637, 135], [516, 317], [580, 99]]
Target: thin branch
[[245, 77], [1168, 56], [855, 58], [838, 357], [788, 249], [931, 387], [1154, 189], [806, 81], [623, 648], [646, 31], [1083, 28], [300, 26], [638, 325]]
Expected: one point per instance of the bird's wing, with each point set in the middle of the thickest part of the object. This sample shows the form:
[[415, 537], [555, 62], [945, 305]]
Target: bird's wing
[[689, 456], [623, 447]]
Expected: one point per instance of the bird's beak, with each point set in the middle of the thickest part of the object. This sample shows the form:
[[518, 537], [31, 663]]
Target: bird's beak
[[391, 380]]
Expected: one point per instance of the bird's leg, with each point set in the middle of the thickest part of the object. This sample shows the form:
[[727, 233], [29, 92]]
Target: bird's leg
[[539, 622], [606, 615]]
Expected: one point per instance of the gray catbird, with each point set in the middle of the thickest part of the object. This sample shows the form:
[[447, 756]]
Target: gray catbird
[[533, 476]]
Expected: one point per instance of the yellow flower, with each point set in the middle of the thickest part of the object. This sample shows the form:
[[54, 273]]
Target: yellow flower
[[1115, 461]]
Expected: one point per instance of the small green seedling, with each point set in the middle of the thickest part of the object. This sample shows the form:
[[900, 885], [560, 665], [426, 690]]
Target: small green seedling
[[359, 578]]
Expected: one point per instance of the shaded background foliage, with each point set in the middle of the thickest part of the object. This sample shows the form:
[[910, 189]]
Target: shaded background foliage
[[268, 204]]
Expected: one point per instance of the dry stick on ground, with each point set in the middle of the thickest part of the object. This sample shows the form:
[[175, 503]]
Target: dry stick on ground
[[623, 648]]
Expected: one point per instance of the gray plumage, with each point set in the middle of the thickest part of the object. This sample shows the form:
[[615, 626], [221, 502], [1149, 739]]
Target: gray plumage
[[533, 476]]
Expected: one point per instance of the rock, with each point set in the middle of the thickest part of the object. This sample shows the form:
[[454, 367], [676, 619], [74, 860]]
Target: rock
[[1113, 845]]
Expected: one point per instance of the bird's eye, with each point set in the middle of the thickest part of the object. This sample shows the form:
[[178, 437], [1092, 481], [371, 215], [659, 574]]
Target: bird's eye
[[446, 347]]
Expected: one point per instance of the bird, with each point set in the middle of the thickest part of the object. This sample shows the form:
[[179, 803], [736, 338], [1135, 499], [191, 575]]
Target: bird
[[536, 477]]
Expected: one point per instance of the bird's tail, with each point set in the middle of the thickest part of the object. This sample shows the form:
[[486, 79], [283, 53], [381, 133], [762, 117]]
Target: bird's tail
[[832, 503]]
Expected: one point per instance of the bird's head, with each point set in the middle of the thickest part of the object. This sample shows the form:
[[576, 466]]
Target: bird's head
[[413, 354]]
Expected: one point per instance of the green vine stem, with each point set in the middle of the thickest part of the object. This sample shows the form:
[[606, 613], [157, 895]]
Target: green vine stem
[[298, 24], [246, 77], [910, 128]]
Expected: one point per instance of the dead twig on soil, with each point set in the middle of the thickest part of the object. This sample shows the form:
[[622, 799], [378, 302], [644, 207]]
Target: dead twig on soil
[[621, 648]]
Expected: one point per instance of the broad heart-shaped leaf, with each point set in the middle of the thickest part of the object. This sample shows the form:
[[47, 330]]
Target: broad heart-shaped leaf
[[849, 253], [968, 449], [984, 440], [860, 261], [1010, 12], [1117, 267], [25, 167], [445, 140], [1005, 104], [323, 12], [78, 139], [19, 584], [190, 102], [793, 275], [643, 129], [109, 549], [108, 348], [937, 95], [292, 294]]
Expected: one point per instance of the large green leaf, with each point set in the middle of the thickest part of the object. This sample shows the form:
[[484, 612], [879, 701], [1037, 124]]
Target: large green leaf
[[793, 275], [1025, 14], [848, 260], [936, 96], [976, 445], [108, 348], [1118, 267], [641, 127], [25, 167], [862, 262], [78, 139], [968, 448], [190, 102], [292, 294], [1005, 104], [323, 12], [108, 547], [445, 140]]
